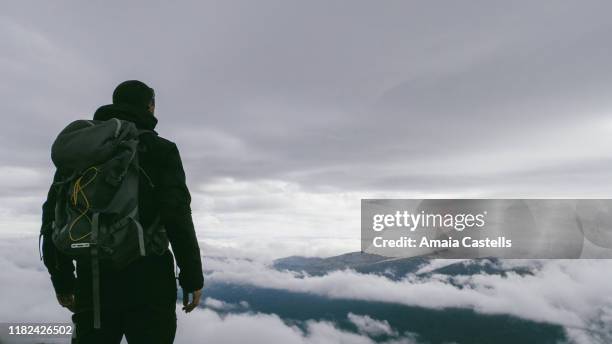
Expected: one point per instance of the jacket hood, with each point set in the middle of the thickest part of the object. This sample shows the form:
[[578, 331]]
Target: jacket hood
[[142, 118]]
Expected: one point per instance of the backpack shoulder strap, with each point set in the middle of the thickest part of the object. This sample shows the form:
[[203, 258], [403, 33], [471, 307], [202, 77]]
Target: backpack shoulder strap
[[146, 131]]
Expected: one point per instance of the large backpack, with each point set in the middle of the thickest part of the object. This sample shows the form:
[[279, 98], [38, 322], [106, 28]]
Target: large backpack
[[96, 212]]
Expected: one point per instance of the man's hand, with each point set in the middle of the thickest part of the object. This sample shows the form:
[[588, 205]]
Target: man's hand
[[195, 300], [66, 300]]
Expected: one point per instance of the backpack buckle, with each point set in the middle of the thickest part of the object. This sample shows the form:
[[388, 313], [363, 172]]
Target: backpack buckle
[[82, 245]]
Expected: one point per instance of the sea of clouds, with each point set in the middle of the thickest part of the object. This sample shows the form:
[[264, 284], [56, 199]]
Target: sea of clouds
[[576, 294]]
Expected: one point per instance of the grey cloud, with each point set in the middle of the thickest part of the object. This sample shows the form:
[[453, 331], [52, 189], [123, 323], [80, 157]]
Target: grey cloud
[[368, 325], [208, 326], [321, 93], [339, 100], [219, 305], [571, 293]]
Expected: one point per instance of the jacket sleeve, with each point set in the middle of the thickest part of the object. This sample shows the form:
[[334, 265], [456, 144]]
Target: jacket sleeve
[[60, 266], [175, 209]]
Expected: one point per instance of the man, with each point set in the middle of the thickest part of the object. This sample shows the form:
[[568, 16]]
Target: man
[[138, 301]]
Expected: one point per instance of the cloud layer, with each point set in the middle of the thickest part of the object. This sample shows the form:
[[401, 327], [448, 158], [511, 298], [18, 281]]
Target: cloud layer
[[571, 293], [326, 102]]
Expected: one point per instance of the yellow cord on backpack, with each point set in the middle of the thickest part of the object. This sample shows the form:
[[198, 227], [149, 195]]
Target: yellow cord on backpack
[[74, 197]]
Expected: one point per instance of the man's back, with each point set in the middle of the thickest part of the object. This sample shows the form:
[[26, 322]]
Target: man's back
[[147, 287]]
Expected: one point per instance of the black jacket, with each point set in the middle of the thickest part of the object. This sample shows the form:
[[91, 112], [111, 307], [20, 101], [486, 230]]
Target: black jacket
[[152, 277]]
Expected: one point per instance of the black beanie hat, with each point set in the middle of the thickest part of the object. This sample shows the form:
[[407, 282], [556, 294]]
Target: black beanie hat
[[135, 93]]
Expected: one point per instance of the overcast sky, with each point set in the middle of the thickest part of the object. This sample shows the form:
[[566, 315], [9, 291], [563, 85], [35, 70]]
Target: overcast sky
[[287, 113]]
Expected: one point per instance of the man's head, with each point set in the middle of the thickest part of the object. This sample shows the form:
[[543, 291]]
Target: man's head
[[135, 93]]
